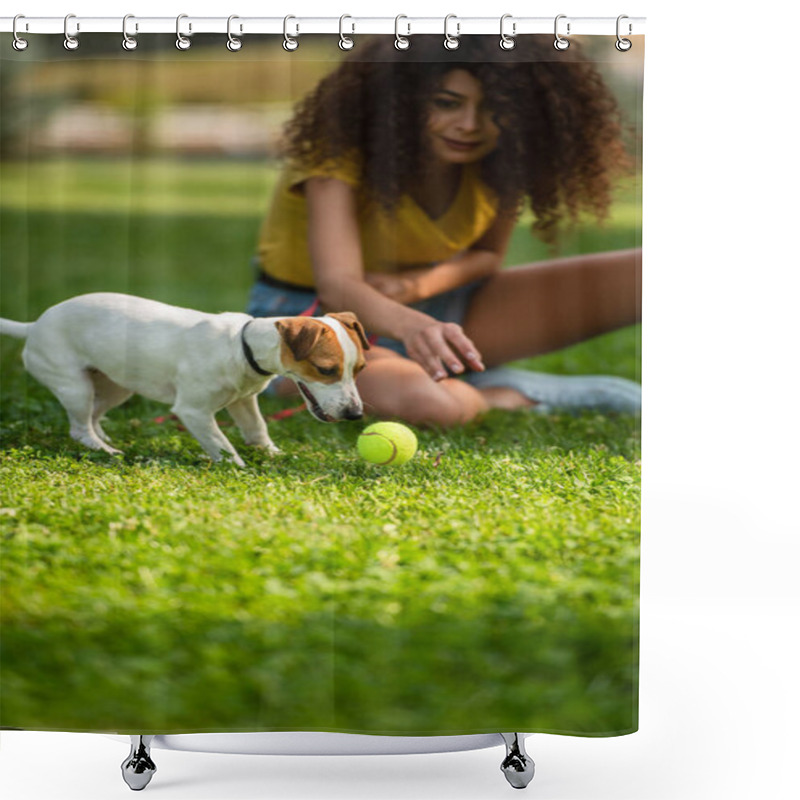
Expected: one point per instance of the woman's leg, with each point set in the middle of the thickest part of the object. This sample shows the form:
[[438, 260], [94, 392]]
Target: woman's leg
[[519, 312], [534, 309], [395, 387]]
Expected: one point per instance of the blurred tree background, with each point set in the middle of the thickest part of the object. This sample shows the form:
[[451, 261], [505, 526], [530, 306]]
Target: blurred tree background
[[156, 100]]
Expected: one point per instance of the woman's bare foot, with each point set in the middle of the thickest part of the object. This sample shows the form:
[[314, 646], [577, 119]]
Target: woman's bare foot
[[506, 398]]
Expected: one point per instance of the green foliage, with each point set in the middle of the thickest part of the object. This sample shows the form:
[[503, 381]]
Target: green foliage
[[491, 583], [495, 576]]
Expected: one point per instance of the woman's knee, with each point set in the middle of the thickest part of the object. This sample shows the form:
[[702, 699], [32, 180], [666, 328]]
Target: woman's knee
[[394, 388], [435, 405], [427, 403]]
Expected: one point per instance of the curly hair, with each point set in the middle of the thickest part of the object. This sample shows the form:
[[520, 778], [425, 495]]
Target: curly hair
[[561, 138]]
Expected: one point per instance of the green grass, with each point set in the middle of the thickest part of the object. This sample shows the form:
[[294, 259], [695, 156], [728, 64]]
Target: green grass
[[490, 584]]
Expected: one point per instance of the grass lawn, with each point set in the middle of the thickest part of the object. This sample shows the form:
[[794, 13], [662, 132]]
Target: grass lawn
[[490, 584]]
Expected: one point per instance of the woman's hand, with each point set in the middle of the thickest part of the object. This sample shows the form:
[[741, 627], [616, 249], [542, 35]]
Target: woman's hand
[[442, 346], [402, 288]]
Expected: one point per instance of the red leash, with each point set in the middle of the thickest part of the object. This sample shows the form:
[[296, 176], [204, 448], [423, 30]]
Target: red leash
[[286, 412]]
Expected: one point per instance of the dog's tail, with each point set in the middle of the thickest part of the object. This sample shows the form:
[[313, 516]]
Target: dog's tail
[[19, 330]]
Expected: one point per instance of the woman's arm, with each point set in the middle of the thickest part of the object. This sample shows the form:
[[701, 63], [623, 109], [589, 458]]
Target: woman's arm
[[483, 259], [335, 249]]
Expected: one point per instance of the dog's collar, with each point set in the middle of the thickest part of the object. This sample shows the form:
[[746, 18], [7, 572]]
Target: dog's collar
[[248, 353]]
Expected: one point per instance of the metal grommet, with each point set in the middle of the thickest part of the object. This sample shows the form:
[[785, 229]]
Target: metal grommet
[[345, 42], [507, 42], [182, 42], [129, 42], [560, 42], [234, 44], [401, 42], [70, 42], [623, 45], [289, 42], [451, 42], [18, 44]]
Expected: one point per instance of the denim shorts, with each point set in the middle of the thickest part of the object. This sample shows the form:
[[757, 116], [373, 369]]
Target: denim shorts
[[271, 301]]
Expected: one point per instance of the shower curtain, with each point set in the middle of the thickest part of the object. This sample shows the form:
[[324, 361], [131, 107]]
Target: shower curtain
[[490, 584]]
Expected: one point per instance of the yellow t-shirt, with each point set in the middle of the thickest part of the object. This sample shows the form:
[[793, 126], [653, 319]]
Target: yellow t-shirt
[[389, 240]]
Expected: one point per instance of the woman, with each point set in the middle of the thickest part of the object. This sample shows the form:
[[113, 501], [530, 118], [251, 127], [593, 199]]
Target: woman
[[406, 174]]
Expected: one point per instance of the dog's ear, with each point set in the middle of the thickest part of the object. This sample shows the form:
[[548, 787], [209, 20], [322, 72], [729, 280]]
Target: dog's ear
[[350, 321], [301, 334]]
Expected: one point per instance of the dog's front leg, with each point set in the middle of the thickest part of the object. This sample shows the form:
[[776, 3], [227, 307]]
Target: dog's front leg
[[248, 418], [203, 426]]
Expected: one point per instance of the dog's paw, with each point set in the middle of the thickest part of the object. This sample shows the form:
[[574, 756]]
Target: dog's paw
[[272, 449], [94, 443], [226, 457], [101, 434]]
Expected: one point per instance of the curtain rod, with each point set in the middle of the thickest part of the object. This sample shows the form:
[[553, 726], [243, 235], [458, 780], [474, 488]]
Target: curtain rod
[[347, 25]]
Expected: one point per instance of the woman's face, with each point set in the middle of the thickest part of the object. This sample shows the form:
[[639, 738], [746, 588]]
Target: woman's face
[[460, 129]]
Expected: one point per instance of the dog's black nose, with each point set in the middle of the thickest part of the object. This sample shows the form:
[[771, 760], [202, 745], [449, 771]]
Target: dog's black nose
[[353, 413]]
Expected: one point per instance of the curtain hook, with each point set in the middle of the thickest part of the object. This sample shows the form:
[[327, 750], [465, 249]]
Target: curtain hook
[[507, 42], [623, 45], [345, 42], [560, 42], [401, 42], [19, 44], [129, 42], [234, 43], [451, 42], [289, 42], [182, 42], [70, 42]]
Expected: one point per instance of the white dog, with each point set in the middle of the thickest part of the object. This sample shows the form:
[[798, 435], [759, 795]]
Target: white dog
[[95, 351]]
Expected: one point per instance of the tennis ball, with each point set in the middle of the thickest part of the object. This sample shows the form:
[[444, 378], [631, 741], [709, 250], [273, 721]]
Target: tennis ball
[[387, 443]]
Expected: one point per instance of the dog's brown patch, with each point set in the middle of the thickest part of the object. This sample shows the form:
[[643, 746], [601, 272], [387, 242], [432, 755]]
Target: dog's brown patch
[[310, 349], [355, 330]]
